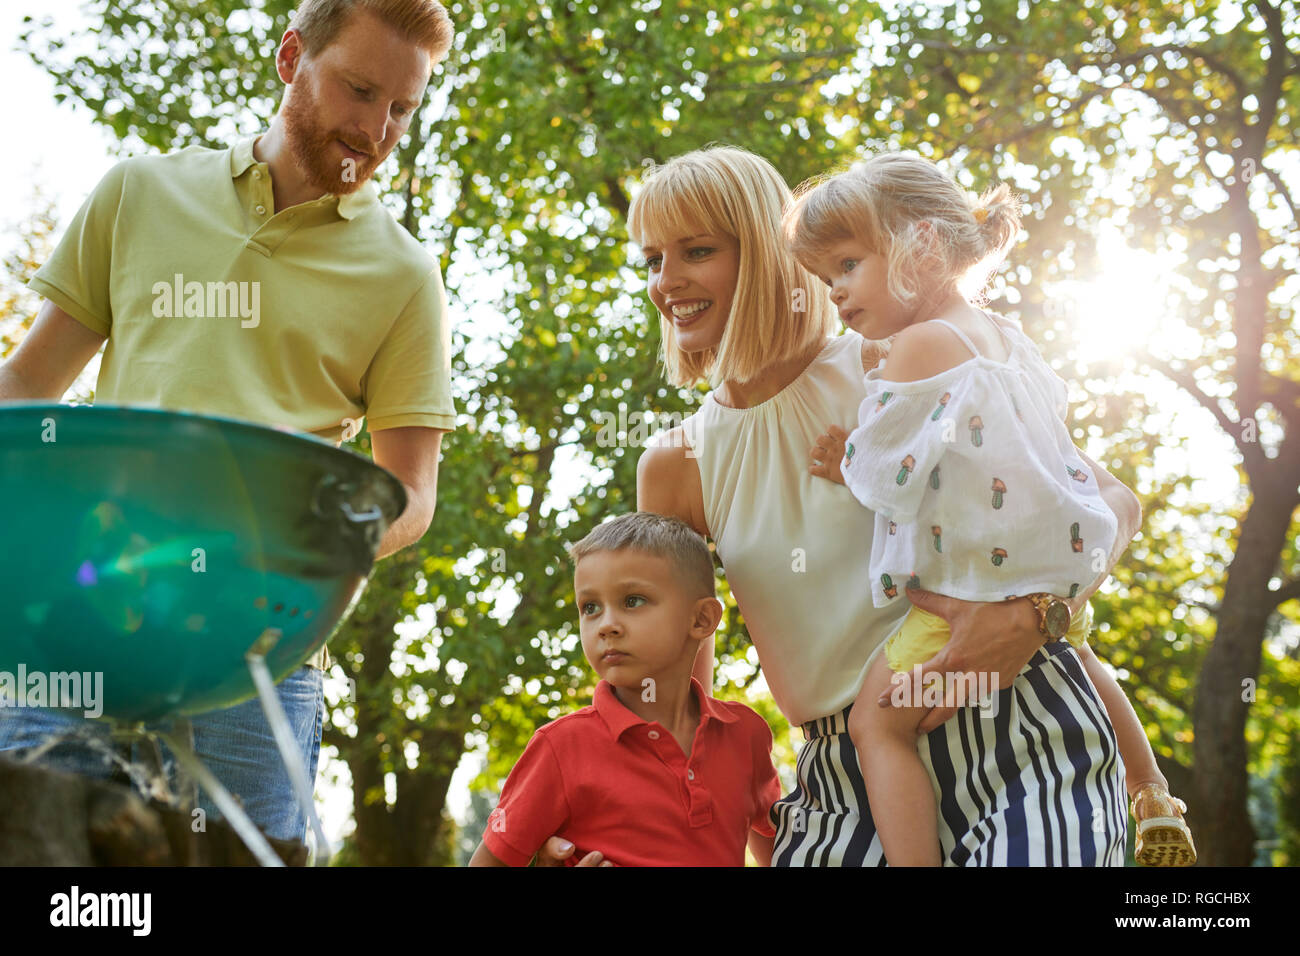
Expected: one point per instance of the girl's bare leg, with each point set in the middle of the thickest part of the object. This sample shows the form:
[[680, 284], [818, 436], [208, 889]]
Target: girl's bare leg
[[1139, 760], [898, 786]]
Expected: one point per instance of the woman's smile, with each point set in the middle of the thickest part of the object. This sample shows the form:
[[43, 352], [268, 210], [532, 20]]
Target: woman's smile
[[686, 312]]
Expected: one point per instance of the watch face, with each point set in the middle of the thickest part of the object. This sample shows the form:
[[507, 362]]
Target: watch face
[[1057, 620]]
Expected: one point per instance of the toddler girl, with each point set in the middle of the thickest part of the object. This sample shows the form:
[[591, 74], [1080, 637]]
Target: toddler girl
[[962, 452]]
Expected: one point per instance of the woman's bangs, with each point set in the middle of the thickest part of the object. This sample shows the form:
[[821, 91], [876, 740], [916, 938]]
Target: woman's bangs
[[671, 205]]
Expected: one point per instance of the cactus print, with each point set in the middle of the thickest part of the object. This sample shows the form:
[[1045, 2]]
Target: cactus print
[[908, 464]]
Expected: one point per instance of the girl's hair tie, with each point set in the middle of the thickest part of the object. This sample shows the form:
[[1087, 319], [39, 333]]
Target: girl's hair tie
[[981, 214]]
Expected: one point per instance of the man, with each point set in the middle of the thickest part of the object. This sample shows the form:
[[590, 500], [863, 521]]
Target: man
[[326, 311]]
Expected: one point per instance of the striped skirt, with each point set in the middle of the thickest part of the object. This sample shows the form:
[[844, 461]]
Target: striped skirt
[[1040, 783]]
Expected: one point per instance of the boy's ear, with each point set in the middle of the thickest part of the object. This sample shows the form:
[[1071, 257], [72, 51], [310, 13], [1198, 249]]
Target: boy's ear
[[708, 614]]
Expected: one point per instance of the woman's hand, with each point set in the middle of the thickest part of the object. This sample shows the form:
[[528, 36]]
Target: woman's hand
[[555, 851], [828, 453], [994, 639]]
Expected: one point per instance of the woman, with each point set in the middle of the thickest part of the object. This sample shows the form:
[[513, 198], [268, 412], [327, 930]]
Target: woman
[[1040, 783]]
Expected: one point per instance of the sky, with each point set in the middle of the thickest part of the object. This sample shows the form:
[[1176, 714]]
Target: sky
[[65, 154]]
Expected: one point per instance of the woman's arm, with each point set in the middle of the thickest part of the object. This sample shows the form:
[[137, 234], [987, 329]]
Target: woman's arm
[[761, 846], [999, 638], [668, 483], [484, 857]]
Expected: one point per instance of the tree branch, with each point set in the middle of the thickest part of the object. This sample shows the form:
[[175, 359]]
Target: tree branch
[[1285, 193], [1253, 137], [1185, 380], [1289, 591]]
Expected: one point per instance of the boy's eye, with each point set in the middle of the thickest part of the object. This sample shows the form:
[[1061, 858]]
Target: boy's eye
[[634, 597], [848, 264], [588, 608]]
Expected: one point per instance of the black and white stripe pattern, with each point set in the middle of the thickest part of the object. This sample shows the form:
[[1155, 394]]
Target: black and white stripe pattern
[[1040, 783]]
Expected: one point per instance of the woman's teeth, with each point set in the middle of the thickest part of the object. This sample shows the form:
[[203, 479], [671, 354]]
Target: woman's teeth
[[685, 311]]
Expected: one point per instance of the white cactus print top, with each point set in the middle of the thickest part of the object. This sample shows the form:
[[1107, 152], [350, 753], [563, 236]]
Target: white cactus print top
[[979, 493]]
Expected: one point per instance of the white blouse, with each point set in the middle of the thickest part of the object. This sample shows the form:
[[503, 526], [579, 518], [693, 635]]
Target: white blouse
[[792, 544], [977, 490]]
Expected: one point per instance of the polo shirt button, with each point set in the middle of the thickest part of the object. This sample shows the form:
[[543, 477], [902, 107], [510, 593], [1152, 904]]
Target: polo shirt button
[[654, 735], [259, 209], [257, 174], [690, 774]]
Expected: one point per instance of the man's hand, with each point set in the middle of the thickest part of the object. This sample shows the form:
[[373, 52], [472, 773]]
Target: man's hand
[[995, 639], [827, 454], [555, 851]]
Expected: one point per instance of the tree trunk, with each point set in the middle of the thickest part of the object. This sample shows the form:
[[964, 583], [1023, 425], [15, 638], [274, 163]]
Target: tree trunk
[[1224, 833]]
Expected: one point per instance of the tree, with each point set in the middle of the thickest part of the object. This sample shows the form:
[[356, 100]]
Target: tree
[[1219, 81], [522, 166], [522, 162]]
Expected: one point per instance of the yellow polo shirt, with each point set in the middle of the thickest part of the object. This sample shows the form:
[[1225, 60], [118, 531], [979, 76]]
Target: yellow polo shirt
[[214, 302]]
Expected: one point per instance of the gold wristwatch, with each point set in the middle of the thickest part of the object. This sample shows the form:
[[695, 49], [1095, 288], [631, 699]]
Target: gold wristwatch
[[1053, 615]]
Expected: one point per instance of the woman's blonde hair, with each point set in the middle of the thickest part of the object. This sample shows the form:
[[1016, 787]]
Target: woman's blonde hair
[[777, 310], [883, 202]]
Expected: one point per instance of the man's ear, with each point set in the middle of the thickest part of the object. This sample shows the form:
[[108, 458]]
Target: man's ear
[[289, 55], [708, 614]]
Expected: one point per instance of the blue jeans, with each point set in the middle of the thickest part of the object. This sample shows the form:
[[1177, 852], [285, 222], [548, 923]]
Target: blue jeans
[[236, 745]]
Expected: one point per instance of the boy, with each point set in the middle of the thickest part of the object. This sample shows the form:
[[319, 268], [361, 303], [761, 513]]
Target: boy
[[655, 772]]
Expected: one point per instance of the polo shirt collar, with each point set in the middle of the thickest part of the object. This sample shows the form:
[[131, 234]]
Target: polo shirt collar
[[349, 206], [619, 719]]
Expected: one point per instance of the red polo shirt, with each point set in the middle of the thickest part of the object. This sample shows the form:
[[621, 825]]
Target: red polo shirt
[[604, 779]]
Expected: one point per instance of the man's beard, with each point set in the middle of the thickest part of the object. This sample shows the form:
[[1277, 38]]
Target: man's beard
[[312, 147]]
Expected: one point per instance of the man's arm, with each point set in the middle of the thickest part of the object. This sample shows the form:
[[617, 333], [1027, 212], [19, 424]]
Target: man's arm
[[49, 358], [411, 454]]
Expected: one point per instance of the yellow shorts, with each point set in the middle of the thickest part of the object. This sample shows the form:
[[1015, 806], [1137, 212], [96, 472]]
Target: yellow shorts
[[922, 635]]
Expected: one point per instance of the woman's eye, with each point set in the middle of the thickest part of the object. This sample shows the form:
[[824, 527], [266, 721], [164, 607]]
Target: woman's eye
[[848, 264], [634, 597], [652, 263], [699, 252]]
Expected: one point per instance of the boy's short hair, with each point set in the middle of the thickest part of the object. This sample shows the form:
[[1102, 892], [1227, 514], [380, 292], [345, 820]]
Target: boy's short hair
[[660, 535], [424, 22]]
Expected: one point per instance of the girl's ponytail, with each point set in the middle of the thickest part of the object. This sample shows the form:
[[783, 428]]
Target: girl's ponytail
[[997, 214]]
